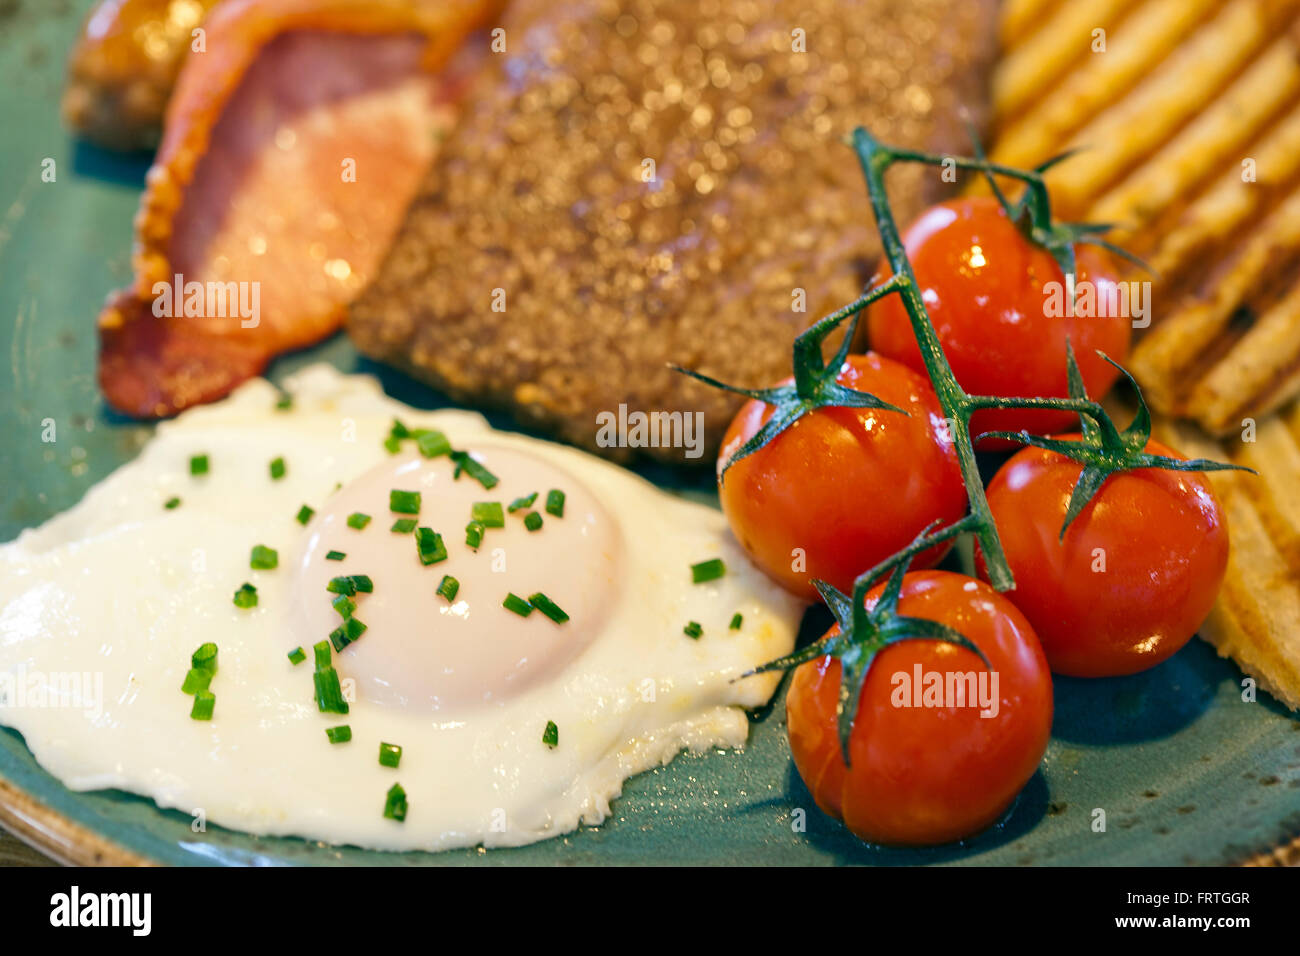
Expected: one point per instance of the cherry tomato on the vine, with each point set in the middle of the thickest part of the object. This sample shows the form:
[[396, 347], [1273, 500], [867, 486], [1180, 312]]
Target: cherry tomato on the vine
[[944, 770], [843, 488], [1002, 328], [1136, 573]]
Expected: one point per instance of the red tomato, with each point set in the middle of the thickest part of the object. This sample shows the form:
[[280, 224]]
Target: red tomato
[[1138, 570], [983, 285], [930, 774], [843, 488]]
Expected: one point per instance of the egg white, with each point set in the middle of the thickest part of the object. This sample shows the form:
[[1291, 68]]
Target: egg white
[[117, 592]]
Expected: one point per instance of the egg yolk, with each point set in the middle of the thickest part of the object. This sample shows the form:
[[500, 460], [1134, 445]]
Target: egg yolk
[[422, 651]]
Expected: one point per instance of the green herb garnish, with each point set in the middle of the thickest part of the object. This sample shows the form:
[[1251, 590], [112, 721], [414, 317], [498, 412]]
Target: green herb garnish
[[514, 602], [532, 521], [736, 620], [693, 630], [335, 555], [472, 468], [432, 443], [709, 570], [204, 702], [548, 607], [205, 658], [350, 584], [339, 735], [264, 558], [488, 513], [199, 465], [429, 546], [358, 520], [404, 502], [171, 503], [519, 504], [246, 596], [404, 525], [551, 735], [196, 680], [277, 469], [448, 587], [297, 656], [474, 534], [390, 755], [305, 514], [555, 502], [395, 803]]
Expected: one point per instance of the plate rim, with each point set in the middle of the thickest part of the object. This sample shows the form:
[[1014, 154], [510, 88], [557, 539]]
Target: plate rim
[[70, 843], [58, 836]]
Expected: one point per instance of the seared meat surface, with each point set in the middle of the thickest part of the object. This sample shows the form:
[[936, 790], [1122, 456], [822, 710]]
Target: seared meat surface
[[638, 182]]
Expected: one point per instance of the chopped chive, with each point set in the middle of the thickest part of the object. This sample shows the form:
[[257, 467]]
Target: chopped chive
[[246, 596], [428, 544], [548, 607], [204, 702], [474, 469], [709, 570], [551, 735], [358, 520], [404, 525], [305, 514], [517, 604], [264, 558], [448, 587], [335, 555], [339, 735], [488, 513], [432, 443], [205, 658], [390, 755], [343, 584], [284, 402], [199, 465], [196, 680], [171, 503], [555, 502], [404, 502], [474, 534], [342, 636], [329, 693], [693, 630], [532, 521], [519, 504], [394, 445], [398, 430], [395, 803], [350, 584], [344, 605], [277, 469], [296, 656], [321, 652], [736, 620]]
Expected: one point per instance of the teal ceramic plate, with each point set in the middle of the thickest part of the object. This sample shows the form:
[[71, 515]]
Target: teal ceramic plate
[[1185, 770]]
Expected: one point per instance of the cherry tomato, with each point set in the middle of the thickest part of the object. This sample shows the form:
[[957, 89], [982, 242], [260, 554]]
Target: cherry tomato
[[843, 488], [1138, 569], [923, 775], [983, 284]]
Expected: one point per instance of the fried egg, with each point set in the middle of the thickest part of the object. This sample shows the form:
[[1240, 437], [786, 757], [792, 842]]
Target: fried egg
[[574, 650]]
